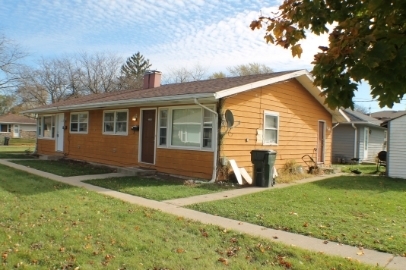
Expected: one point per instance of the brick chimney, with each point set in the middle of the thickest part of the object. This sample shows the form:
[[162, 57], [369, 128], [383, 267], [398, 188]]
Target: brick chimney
[[152, 79]]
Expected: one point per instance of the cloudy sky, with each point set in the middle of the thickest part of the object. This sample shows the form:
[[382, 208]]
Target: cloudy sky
[[171, 34]]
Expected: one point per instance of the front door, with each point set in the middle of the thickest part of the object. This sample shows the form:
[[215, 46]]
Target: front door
[[16, 131], [59, 132], [148, 136], [321, 142], [366, 142]]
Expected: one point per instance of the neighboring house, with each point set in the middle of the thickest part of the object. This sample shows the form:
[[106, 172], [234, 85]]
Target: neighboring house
[[361, 137], [181, 128], [396, 153], [17, 126], [387, 115]]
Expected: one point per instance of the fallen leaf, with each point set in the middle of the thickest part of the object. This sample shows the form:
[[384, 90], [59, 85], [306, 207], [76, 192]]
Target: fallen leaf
[[306, 224], [223, 260], [360, 253], [180, 250], [325, 242]]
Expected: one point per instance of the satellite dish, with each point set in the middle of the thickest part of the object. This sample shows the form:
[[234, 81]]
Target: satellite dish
[[229, 118]]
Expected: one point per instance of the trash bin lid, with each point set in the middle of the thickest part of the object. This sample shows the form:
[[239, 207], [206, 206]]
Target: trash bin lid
[[263, 151]]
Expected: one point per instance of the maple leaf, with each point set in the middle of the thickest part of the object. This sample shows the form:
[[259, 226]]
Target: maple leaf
[[297, 50]]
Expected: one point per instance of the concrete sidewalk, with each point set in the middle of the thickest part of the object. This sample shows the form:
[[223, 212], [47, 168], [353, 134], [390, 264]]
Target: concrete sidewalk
[[371, 257]]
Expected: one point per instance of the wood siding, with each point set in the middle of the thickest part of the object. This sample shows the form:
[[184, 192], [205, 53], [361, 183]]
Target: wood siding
[[46, 147], [397, 148], [343, 143], [122, 150], [190, 163], [299, 115]]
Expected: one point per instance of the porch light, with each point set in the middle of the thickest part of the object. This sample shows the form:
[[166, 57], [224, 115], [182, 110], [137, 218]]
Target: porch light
[[134, 117]]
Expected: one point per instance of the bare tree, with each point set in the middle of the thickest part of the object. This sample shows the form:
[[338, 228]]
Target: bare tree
[[6, 103], [10, 55], [217, 75], [99, 72], [249, 69], [30, 90], [361, 109], [183, 74]]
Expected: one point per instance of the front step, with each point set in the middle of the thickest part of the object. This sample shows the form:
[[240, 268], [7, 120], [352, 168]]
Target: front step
[[133, 171], [49, 157]]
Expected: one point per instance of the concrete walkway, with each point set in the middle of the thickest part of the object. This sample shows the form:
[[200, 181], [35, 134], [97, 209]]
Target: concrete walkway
[[372, 257]]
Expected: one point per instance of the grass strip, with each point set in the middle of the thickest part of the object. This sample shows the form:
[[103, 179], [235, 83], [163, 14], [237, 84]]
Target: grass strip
[[158, 189], [64, 167], [49, 225], [364, 211]]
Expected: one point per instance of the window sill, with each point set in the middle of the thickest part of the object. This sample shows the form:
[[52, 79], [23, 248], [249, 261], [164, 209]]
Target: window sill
[[115, 134], [185, 148], [270, 144]]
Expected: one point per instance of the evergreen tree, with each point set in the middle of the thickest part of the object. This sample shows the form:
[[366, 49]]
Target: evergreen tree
[[132, 72]]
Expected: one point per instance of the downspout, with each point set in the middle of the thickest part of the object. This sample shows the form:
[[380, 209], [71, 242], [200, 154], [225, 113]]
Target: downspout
[[214, 174], [355, 139]]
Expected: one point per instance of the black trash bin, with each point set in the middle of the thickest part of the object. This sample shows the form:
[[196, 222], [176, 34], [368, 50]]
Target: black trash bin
[[6, 140], [263, 161]]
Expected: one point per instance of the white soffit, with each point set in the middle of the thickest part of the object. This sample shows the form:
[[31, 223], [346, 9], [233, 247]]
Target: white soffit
[[250, 86]]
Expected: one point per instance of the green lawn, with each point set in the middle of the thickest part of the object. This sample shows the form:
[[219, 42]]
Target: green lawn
[[49, 225], [158, 189], [22, 141], [15, 152], [64, 167], [367, 211], [365, 169]]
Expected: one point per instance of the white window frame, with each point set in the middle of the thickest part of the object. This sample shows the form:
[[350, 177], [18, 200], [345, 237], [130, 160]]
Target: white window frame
[[169, 125], [40, 135], [78, 122], [8, 128], [114, 132], [273, 114], [162, 127]]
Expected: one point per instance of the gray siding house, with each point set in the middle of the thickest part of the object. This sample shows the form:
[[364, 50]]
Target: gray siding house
[[361, 137], [396, 156], [17, 126]]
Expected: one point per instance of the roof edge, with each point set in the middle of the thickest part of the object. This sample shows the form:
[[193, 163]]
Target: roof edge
[[120, 103], [250, 86]]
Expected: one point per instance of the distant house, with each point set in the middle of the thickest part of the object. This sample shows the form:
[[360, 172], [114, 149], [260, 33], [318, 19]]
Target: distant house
[[183, 129], [17, 126], [360, 137], [387, 115], [396, 153]]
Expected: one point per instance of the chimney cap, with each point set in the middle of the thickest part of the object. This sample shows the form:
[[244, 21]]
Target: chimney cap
[[152, 72]]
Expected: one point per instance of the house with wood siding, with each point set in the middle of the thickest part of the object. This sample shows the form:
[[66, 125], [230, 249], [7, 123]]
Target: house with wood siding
[[396, 150], [361, 137], [181, 128]]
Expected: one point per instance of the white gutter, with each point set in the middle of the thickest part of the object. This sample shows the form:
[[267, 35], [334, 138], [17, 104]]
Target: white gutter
[[122, 103], [355, 139], [335, 125], [214, 174]]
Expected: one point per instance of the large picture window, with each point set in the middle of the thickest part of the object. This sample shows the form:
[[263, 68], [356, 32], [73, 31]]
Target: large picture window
[[79, 122], [271, 127], [46, 126], [115, 122], [189, 127]]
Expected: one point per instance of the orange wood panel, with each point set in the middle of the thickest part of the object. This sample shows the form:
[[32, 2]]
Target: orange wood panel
[[185, 162], [299, 114]]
